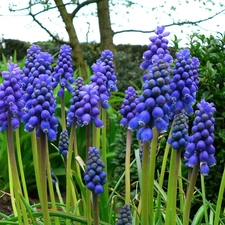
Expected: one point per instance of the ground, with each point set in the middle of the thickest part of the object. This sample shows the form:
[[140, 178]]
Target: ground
[[5, 204]]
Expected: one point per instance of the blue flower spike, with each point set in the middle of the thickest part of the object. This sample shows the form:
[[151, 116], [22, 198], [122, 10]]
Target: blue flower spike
[[152, 109], [183, 84], [128, 107], [11, 104], [63, 72], [95, 176], [200, 149], [124, 216]]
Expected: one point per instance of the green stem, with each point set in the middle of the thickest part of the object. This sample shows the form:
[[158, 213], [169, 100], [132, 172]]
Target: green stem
[[95, 209], [88, 193], [174, 190], [181, 193], [145, 183], [204, 199], [162, 174], [68, 170], [63, 114], [169, 205], [127, 168], [219, 200], [150, 198], [20, 162], [190, 190], [96, 133], [50, 186], [42, 174], [104, 151], [59, 195], [13, 201], [36, 162], [16, 181], [77, 169]]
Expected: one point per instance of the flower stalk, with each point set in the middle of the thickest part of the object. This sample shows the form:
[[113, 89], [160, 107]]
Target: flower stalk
[[145, 183], [127, 168]]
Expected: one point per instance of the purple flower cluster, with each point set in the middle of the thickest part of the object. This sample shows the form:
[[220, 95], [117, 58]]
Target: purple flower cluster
[[152, 109], [158, 48], [99, 79], [200, 149], [41, 65], [63, 142], [79, 83], [85, 108], [107, 58], [32, 52], [124, 217], [184, 83], [180, 135], [40, 108], [63, 72], [128, 108], [95, 176], [11, 105]]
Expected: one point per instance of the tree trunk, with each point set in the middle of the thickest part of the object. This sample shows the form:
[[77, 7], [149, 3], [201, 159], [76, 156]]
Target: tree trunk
[[106, 32], [73, 39]]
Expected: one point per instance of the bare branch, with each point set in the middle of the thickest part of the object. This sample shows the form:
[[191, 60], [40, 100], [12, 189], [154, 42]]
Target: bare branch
[[44, 28], [81, 5], [173, 24]]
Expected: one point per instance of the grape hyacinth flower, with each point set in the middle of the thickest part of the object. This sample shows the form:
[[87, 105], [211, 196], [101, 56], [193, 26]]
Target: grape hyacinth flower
[[79, 83], [180, 135], [86, 108], [32, 52], [184, 83], [124, 217], [158, 46], [95, 176], [152, 109], [63, 72], [107, 58], [200, 149], [128, 108], [11, 105], [41, 65], [99, 79], [40, 108], [63, 142]]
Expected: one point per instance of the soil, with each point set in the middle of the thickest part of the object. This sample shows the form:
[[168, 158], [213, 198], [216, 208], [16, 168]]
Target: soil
[[5, 204]]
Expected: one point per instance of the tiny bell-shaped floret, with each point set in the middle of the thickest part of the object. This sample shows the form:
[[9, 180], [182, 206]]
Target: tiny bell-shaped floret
[[124, 216], [95, 176], [200, 149]]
